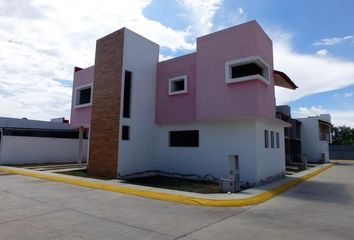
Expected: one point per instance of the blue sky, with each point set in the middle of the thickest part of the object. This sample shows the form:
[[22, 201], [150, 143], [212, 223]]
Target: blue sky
[[41, 42]]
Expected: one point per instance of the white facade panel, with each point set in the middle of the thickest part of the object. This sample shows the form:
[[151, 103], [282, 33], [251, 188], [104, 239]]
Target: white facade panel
[[139, 152], [270, 161], [217, 141], [310, 140]]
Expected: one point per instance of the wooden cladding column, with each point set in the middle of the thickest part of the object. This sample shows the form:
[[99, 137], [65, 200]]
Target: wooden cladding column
[[104, 137]]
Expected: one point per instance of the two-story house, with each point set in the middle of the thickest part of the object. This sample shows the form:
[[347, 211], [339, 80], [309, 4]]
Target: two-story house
[[185, 115]]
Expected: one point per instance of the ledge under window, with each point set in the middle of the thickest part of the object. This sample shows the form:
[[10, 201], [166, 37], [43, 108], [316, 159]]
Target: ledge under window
[[245, 69], [177, 85]]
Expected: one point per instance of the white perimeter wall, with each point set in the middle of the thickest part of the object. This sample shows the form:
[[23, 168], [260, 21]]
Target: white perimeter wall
[[28, 150], [140, 57], [310, 140]]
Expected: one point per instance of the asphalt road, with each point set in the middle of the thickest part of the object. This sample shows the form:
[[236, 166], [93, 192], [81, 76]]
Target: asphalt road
[[321, 208]]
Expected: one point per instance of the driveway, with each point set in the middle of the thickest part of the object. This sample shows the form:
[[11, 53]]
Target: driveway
[[321, 208]]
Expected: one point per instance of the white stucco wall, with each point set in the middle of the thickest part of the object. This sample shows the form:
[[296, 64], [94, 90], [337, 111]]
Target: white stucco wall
[[217, 140], [310, 141], [270, 161], [28, 150], [140, 57]]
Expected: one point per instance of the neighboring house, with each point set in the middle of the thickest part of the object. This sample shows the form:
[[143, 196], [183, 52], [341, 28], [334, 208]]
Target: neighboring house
[[185, 115], [24, 141], [316, 135], [292, 135]]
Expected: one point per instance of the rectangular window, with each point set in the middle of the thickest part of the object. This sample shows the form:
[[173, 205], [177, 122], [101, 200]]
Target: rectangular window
[[83, 95], [125, 132], [177, 85], [272, 139], [277, 140], [184, 138], [245, 69], [266, 139], [127, 94]]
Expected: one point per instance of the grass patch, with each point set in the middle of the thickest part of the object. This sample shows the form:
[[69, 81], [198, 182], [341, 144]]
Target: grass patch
[[172, 183], [81, 173], [177, 184]]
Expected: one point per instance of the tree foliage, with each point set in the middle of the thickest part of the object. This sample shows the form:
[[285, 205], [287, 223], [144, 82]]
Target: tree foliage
[[343, 135]]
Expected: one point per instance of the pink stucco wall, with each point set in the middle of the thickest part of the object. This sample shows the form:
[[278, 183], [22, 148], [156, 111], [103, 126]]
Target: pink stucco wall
[[219, 100], [209, 97], [180, 107], [81, 116]]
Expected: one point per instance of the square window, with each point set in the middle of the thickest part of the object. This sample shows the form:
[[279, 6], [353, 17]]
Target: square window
[[83, 95], [125, 132], [177, 85], [245, 69]]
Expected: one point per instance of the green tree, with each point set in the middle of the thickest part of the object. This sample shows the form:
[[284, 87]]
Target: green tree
[[343, 135]]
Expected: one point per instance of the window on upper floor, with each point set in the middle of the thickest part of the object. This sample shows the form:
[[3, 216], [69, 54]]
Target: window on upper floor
[[83, 96], [177, 85], [127, 93], [245, 69]]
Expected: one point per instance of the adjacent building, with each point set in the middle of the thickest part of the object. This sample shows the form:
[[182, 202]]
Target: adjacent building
[[186, 116], [316, 135], [24, 141]]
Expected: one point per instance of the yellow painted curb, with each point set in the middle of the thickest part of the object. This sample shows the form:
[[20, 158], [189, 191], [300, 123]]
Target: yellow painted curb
[[260, 198], [343, 161]]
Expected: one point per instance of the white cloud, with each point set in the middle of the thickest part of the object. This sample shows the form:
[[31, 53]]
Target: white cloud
[[41, 42], [312, 74], [201, 14], [333, 41], [322, 52], [346, 95], [339, 117], [241, 11]]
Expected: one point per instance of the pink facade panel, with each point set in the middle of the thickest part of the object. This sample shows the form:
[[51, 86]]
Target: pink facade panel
[[81, 116], [217, 99], [180, 107]]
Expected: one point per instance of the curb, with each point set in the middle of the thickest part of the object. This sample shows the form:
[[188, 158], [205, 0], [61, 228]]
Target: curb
[[257, 199]]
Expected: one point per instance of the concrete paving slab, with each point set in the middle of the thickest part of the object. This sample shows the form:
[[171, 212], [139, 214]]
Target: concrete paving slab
[[309, 211], [320, 208], [174, 219], [71, 225], [13, 207]]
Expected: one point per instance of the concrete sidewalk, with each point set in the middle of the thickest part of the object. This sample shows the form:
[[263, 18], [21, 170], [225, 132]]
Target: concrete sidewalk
[[37, 209], [251, 196]]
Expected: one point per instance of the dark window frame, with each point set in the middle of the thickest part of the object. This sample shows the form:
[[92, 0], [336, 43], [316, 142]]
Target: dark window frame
[[245, 70], [125, 132], [184, 138], [277, 139], [272, 139], [127, 93], [266, 138]]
